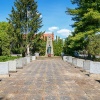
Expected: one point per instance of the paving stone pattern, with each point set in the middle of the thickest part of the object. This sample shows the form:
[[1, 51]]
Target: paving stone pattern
[[49, 79]]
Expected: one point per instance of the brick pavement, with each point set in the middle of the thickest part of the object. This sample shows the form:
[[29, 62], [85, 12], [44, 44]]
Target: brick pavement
[[49, 79]]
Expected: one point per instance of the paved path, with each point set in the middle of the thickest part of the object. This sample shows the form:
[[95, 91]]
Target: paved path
[[49, 79]]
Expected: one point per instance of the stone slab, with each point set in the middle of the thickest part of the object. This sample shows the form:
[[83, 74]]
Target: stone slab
[[63, 81], [86, 65], [12, 66], [28, 60], [19, 63], [4, 69], [37, 54], [95, 67], [33, 58], [74, 61], [24, 61], [64, 58], [70, 59], [80, 62]]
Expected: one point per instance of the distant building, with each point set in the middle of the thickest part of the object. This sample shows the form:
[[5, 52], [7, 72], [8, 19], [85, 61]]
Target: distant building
[[45, 35]]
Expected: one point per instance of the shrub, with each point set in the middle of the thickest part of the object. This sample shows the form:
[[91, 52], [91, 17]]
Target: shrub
[[7, 58]]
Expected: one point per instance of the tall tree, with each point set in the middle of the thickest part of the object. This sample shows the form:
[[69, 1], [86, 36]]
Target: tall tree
[[4, 39], [26, 20], [94, 45], [86, 17], [58, 46]]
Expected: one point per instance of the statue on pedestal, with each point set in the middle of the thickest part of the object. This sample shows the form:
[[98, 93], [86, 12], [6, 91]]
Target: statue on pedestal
[[49, 51]]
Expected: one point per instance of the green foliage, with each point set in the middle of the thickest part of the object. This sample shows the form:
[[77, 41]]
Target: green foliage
[[67, 47], [86, 17], [4, 39], [58, 46], [24, 19], [7, 58], [38, 45], [42, 48], [94, 45]]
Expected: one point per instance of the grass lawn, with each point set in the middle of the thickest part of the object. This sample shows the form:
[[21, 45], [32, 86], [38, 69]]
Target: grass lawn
[[7, 58]]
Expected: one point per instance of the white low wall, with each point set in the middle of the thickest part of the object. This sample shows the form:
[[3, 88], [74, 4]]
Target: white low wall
[[4, 69], [70, 59], [24, 61], [80, 62], [86, 65], [28, 59], [90, 66], [12, 66], [33, 58], [64, 58], [37, 54], [19, 63], [95, 67], [74, 61]]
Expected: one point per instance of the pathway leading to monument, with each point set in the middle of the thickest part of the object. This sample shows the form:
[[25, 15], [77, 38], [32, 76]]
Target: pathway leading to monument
[[49, 79]]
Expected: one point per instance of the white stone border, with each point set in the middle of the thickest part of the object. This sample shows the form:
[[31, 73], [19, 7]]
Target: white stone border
[[4, 68], [95, 67], [12, 66]]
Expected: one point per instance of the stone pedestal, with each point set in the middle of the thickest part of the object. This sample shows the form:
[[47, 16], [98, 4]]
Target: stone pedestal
[[4, 68], [95, 67], [80, 62], [86, 65], [12, 66], [19, 64], [74, 61]]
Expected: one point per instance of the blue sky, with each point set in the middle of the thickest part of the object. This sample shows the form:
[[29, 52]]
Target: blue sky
[[53, 14]]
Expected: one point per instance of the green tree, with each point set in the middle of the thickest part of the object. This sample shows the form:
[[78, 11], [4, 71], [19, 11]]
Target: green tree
[[25, 19], [86, 17], [94, 45], [4, 39], [67, 47], [58, 46], [38, 45]]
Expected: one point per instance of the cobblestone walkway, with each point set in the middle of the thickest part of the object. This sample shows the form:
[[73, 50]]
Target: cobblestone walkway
[[49, 79]]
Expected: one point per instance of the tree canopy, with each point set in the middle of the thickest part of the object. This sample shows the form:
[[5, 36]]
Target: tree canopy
[[86, 17], [58, 46], [4, 39], [25, 19]]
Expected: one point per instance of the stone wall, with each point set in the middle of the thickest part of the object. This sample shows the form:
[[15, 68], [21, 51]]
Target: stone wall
[[12, 66], [95, 67], [89, 66], [4, 69]]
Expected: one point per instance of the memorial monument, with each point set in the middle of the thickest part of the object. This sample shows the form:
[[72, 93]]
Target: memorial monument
[[49, 47]]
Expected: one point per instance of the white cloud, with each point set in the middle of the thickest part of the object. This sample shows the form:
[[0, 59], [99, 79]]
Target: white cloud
[[48, 32], [53, 28], [41, 16], [64, 32]]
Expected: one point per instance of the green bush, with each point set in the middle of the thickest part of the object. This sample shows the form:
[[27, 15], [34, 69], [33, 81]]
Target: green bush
[[7, 58], [96, 59]]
